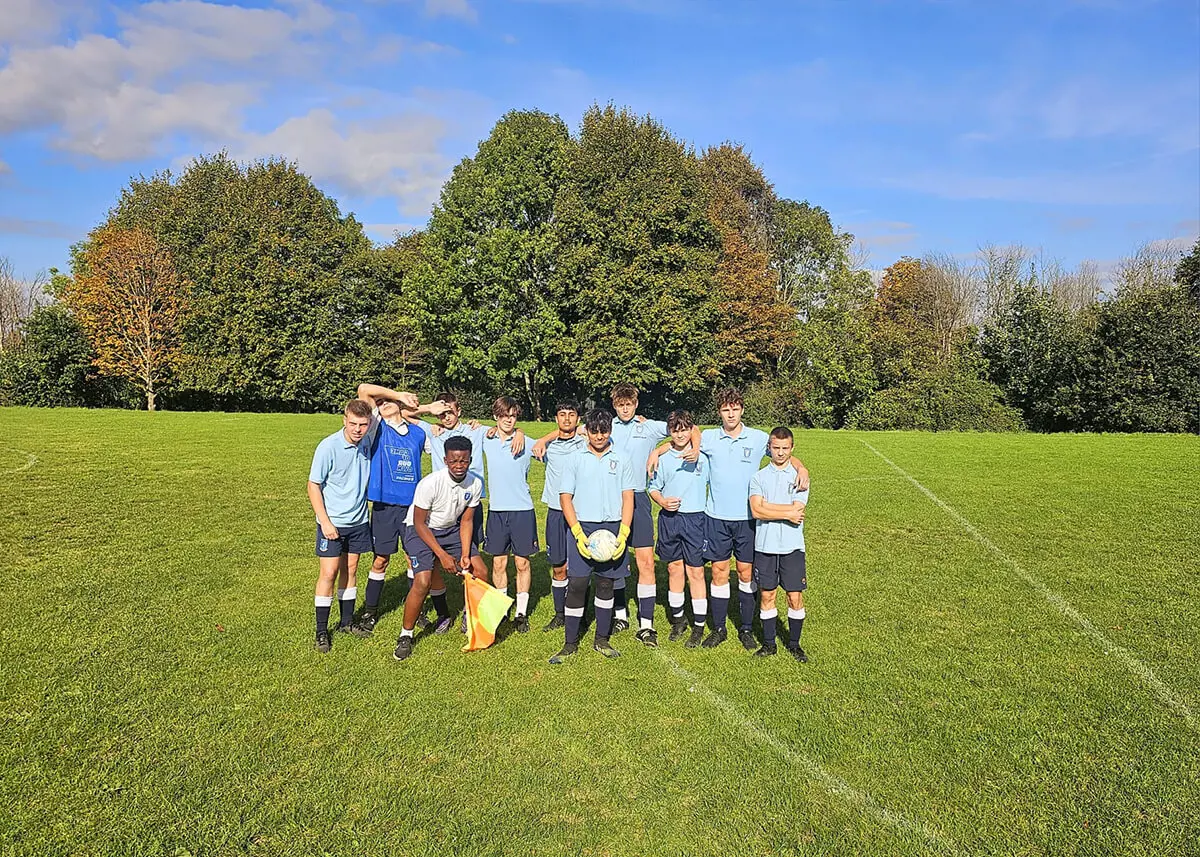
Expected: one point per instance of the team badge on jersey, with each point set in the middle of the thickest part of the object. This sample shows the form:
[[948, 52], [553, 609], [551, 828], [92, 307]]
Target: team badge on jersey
[[746, 453], [612, 466]]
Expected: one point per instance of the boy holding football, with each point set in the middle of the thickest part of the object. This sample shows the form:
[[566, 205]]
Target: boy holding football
[[596, 493]]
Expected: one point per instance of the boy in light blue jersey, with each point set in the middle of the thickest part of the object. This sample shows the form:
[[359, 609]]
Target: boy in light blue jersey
[[450, 424], [778, 506], [555, 449], [734, 452], [337, 490], [596, 492], [511, 526], [635, 437], [680, 487]]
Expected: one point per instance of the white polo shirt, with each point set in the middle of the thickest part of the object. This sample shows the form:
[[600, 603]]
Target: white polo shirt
[[445, 499]]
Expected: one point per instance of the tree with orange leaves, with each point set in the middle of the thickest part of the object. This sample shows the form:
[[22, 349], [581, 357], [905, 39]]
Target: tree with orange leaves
[[129, 298]]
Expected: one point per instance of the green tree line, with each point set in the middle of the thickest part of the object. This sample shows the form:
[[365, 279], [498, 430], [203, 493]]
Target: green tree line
[[557, 263]]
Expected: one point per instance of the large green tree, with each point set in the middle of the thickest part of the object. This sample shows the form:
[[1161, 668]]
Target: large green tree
[[637, 259], [485, 295], [279, 303], [1032, 347]]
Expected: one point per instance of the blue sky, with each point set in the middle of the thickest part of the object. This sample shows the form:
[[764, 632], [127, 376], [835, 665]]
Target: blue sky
[[1069, 125]]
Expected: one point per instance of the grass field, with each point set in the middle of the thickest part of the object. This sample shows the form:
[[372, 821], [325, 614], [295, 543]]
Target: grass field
[[1010, 668]]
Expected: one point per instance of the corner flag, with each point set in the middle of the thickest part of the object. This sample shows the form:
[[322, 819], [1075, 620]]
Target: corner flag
[[486, 608]]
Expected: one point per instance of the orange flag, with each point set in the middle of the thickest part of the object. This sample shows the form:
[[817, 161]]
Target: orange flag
[[486, 609]]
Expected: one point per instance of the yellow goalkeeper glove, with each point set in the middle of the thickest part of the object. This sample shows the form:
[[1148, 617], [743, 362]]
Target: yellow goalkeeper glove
[[581, 541], [622, 539]]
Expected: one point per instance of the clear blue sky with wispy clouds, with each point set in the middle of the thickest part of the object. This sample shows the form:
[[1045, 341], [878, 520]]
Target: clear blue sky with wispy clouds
[[1070, 125]]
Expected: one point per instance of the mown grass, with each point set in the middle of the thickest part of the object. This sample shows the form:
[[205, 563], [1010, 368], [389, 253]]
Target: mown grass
[[160, 694]]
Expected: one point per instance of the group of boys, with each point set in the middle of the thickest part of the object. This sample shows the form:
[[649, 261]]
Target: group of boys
[[715, 503]]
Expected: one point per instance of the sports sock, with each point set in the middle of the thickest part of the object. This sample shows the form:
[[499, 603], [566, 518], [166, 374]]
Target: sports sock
[[558, 588], [620, 605], [700, 611], [795, 625], [374, 589], [746, 604], [522, 603], [574, 617], [646, 593], [406, 632], [346, 599], [675, 606], [438, 597], [604, 616], [720, 605], [769, 620], [323, 604]]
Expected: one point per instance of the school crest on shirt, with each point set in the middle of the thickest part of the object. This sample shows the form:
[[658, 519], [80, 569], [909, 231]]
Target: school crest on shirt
[[639, 429], [467, 496], [746, 453], [612, 466]]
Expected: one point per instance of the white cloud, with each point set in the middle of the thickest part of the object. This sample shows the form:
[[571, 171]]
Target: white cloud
[[26, 21], [172, 68], [460, 9], [397, 156]]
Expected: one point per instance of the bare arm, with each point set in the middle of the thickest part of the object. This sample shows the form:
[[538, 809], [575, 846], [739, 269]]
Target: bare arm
[[466, 529], [764, 511], [568, 510], [539, 448], [801, 474], [626, 508], [693, 452], [652, 461], [317, 499], [671, 504], [374, 393]]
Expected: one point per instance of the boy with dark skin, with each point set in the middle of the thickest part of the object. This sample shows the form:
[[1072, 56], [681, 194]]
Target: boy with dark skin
[[440, 528]]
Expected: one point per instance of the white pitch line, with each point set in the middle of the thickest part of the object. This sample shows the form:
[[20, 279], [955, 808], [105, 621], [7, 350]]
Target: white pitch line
[[1157, 686], [833, 784], [30, 460]]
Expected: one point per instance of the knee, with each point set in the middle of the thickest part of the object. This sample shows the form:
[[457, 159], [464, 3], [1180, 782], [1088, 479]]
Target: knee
[[421, 583], [577, 591], [380, 563], [605, 588]]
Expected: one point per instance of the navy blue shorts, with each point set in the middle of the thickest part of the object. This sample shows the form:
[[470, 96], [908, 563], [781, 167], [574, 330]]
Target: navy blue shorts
[[577, 566], [641, 531], [557, 537], [773, 569], [350, 540], [511, 532], [681, 537], [387, 527], [421, 556], [722, 538]]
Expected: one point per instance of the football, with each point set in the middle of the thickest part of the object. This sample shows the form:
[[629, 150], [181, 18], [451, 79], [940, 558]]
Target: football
[[601, 545]]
